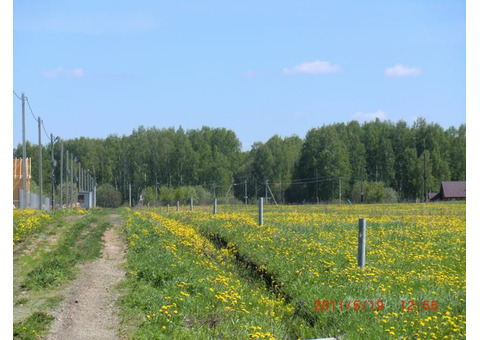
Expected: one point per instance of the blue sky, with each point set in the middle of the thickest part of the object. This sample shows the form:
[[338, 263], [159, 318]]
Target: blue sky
[[94, 68]]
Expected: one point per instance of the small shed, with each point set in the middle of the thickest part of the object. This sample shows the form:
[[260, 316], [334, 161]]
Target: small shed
[[85, 199], [451, 191]]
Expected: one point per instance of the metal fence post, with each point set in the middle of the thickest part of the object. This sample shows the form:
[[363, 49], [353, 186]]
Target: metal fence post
[[362, 237], [260, 211]]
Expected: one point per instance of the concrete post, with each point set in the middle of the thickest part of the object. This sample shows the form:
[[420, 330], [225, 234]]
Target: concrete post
[[260, 211], [362, 237]]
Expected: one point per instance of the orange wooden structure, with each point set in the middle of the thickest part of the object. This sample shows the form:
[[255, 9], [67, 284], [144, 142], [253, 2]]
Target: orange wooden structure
[[18, 177]]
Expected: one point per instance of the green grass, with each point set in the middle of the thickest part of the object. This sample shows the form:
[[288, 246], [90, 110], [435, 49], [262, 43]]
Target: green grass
[[46, 261], [180, 286], [33, 327], [412, 254], [80, 242]]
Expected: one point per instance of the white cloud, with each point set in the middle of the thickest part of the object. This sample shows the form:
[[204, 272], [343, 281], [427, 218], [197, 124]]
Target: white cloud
[[65, 73], [314, 67], [360, 116], [402, 71]]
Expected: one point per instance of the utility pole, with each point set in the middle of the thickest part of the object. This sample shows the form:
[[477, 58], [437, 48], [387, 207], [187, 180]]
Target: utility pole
[[361, 191], [424, 177], [24, 157], [246, 196], [340, 189], [72, 171], [40, 176], [94, 193], [53, 174], [316, 184], [130, 195], [266, 191], [67, 201], [79, 177], [61, 175], [283, 192]]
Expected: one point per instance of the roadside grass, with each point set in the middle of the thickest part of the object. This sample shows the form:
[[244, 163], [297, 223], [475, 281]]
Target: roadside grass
[[32, 327], [58, 265], [46, 261], [30, 252], [27, 222]]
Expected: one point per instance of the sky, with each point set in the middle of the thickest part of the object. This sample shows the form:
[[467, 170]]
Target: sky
[[259, 68]]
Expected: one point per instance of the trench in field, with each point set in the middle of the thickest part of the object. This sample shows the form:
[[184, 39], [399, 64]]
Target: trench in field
[[257, 272]]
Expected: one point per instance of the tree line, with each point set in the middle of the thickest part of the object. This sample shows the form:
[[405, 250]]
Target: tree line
[[370, 162]]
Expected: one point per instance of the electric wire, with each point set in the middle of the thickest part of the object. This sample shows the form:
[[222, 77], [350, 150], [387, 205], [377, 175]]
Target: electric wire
[[16, 95]]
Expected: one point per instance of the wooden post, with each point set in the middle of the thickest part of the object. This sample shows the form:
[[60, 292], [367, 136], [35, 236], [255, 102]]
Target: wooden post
[[362, 237], [191, 203], [178, 205], [260, 211]]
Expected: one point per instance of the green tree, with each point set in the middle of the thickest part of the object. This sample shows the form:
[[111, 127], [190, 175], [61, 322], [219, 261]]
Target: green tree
[[108, 196], [324, 161]]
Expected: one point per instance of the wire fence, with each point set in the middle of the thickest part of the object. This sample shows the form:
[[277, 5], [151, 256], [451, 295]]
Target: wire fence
[[33, 201]]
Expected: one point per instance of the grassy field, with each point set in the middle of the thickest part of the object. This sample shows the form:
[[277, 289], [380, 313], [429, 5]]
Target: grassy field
[[199, 275], [195, 275]]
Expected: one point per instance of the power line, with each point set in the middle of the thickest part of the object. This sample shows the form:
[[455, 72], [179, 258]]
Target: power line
[[43, 125], [17, 95], [31, 111], [46, 133]]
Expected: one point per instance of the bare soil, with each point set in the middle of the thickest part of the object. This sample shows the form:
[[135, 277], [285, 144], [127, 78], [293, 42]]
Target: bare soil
[[88, 310]]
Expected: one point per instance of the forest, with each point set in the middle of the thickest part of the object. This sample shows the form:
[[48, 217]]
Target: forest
[[376, 161]]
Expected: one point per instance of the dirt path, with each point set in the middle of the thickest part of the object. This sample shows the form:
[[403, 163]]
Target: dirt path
[[88, 310]]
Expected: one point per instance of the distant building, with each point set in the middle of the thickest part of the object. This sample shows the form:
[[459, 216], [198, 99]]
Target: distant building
[[450, 191], [85, 199], [432, 196]]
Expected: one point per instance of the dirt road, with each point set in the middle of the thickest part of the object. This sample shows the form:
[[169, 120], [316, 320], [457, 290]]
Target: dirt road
[[88, 310]]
